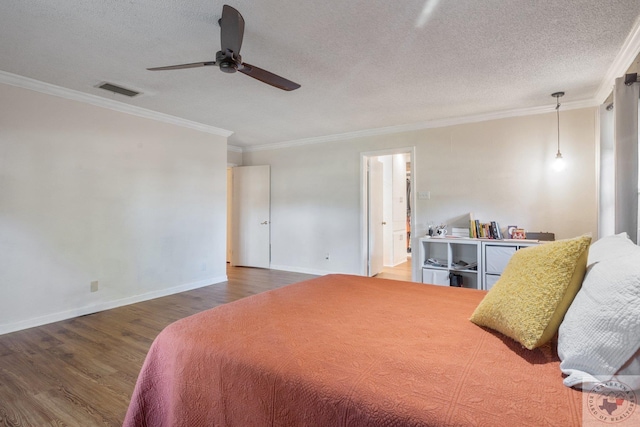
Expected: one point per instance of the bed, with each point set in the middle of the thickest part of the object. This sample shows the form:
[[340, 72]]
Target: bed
[[343, 350]]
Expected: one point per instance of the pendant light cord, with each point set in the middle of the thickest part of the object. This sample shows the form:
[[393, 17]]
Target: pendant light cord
[[558, 120], [557, 96]]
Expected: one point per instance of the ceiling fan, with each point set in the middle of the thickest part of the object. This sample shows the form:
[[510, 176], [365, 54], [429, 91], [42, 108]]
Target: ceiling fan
[[229, 59]]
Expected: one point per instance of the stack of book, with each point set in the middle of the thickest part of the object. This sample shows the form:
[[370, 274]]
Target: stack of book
[[488, 230], [459, 232]]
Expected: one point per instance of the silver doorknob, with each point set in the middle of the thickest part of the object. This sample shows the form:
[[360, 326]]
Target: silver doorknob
[[264, 223], [384, 223]]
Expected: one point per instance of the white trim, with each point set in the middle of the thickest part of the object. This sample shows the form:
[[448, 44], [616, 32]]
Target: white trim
[[74, 95], [621, 63], [624, 59], [47, 88], [364, 226], [424, 125], [303, 270], [107, 305]]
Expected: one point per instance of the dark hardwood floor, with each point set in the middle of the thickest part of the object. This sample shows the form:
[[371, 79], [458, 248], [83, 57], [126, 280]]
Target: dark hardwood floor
[[81, 372]]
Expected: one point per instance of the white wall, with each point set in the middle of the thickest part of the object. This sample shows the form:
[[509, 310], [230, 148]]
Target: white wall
[[500, 170], [234, 157], [89, 194]]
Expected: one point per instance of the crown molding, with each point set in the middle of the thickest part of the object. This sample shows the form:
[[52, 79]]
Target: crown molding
[[74, 95], [627, 54], [36, 85], [439, 123]]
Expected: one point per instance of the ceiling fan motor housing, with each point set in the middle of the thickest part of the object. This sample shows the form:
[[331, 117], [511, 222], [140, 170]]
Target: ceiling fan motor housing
[[226, 61]]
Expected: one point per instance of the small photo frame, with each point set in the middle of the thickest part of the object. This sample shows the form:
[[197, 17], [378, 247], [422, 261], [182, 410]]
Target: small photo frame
[[510, 230], [519, 233]]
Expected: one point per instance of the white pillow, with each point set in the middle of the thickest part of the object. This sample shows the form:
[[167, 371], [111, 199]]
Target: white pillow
[[600, 332], [610, 247]]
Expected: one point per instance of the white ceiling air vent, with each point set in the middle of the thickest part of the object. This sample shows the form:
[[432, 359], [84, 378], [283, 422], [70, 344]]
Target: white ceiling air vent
[[118, 89]]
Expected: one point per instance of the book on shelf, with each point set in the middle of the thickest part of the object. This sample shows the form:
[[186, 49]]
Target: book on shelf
[[495, 230]]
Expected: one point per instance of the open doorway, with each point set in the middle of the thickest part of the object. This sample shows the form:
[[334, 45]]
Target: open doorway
[[387, 212]]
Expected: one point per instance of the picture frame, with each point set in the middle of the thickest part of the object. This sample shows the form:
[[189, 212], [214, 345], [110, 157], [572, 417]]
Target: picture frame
[[519, 233]]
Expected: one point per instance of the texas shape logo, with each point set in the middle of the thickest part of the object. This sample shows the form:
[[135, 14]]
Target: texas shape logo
[[612, 401]]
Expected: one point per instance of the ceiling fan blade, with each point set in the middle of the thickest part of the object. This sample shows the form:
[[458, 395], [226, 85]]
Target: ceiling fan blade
[[231, 29], [267, 77], [178, 67]]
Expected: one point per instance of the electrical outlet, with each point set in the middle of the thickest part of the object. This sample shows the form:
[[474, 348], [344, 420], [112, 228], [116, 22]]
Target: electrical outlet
[[94, 286]]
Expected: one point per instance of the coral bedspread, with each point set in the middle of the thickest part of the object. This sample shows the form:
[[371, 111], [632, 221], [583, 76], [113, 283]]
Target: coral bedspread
[[345, 350]]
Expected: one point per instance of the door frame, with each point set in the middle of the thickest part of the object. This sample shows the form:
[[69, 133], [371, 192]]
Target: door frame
[[364, 200], [376, 216], [230, 166]]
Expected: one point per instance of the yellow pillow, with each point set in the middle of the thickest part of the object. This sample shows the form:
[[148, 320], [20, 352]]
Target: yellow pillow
[[537, 286]]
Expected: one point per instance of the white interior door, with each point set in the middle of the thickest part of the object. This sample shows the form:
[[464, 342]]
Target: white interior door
[[250, 225], [376, 217]]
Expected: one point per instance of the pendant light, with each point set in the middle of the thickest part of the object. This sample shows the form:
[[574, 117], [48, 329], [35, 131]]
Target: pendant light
[[558, 164]]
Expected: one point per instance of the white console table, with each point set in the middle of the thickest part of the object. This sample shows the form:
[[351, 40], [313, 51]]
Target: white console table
[[476, 263]]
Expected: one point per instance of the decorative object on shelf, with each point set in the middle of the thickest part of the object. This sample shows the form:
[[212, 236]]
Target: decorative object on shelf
[[559, 163], [510, 230], [543, 236], [455, 280], [434, 262], [441, 230], [463, 265], [519, 233]]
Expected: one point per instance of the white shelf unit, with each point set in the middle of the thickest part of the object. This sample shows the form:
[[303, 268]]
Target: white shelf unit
[[451, 254], [496, 255], [490, 256]]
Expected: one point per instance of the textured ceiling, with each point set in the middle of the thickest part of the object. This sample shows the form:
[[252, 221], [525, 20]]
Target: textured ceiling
[[362, 64]]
